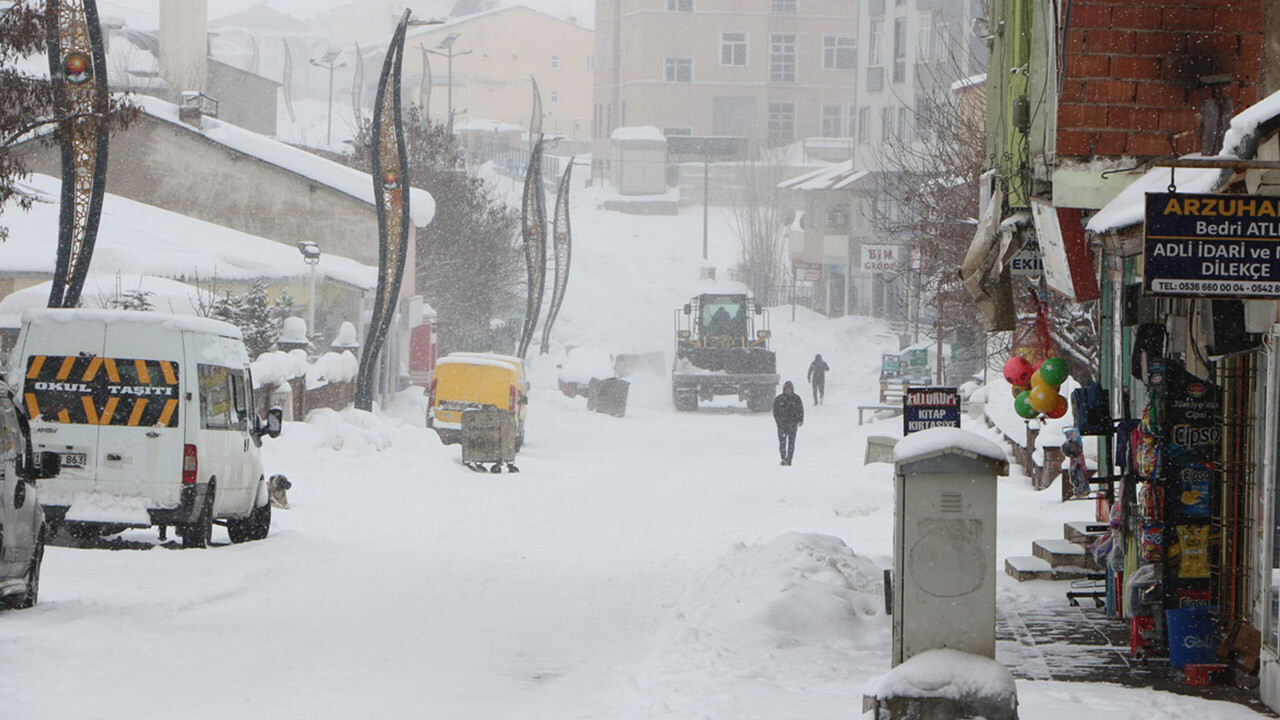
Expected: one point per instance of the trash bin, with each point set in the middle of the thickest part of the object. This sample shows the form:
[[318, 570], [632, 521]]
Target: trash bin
[[1191, 635], [612, 397]]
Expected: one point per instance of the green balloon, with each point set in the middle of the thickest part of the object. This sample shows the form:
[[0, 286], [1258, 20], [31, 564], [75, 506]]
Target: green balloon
[[1054, 371], [1022, 406]]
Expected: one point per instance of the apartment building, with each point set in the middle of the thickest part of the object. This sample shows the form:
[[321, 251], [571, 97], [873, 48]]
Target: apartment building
[[910, 49], [776, 71]]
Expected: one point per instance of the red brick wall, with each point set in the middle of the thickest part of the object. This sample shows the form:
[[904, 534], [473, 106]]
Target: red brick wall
[[1132, 69]]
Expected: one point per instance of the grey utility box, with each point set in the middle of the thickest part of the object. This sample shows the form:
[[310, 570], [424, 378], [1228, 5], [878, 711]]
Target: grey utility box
[[944, 560], [488, 435]]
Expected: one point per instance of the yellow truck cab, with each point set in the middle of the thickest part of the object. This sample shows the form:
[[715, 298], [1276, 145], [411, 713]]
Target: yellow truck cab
[[465, 380]]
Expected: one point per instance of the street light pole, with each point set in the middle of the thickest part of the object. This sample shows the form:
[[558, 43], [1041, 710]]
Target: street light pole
[[311, 256], [447, 45], [328, 62]]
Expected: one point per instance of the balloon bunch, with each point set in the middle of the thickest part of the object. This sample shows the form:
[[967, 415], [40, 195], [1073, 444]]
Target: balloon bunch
[[1036, 387]]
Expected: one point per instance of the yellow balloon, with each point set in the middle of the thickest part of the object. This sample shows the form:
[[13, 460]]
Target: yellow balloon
[[1036, 379], [1044, 398]]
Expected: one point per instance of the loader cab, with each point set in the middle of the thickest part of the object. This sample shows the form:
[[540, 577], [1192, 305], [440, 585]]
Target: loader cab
[[722, 321]]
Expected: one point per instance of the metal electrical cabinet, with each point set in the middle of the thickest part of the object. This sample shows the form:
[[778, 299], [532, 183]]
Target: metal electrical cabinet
[[944, 565]]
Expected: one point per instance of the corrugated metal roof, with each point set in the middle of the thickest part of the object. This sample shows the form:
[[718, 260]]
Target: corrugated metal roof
[[840, 176]]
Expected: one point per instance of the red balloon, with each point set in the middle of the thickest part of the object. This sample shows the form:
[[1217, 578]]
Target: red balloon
[[1059, 409], [1018, 371]]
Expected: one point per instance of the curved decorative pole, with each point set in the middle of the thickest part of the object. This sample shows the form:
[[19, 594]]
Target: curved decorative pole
[[78, 70], [563, 241], [390, 188]]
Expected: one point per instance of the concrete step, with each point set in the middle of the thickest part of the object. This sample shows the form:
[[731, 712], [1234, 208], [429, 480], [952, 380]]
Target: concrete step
[[1082, 531], [1062, 553], [1026, 567]]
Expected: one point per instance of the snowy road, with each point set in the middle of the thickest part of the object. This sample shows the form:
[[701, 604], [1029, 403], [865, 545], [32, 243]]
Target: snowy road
[[660, 565]]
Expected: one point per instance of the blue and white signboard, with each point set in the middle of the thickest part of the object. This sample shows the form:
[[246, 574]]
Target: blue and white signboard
[[930, 407], [1224, 246]]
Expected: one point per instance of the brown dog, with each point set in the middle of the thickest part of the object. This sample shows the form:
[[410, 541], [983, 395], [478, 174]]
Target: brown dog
[[278, 487]]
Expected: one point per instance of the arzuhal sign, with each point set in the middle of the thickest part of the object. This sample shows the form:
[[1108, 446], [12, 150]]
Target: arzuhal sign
[[1212, 246]]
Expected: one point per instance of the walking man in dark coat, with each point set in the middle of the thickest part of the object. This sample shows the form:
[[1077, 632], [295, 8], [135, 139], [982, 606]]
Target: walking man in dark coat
[[818, 378], [788, 413]]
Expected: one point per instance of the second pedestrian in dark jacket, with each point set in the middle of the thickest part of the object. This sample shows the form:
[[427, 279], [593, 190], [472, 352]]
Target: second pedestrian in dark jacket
[[788, 413], [818, 378]]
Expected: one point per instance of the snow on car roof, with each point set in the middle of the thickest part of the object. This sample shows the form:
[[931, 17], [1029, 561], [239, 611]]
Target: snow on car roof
[[485, 362], [46, 317]]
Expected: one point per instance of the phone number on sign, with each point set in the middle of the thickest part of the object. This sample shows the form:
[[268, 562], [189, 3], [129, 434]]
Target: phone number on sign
[[1232, 287]]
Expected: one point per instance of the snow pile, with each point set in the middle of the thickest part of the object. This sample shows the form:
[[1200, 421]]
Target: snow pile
[[352, 431], [278, 367], [98, 507], [294, 331], [945, 674], [935, 440], [796, 590], [332, 367], [346, 339]]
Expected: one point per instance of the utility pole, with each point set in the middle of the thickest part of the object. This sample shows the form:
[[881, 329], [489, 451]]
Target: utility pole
[[327, 62], [447, 45]]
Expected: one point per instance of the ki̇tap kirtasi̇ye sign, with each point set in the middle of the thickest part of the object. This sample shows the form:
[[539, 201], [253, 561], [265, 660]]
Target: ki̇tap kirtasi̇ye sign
[[1225, 246], [930, 407]]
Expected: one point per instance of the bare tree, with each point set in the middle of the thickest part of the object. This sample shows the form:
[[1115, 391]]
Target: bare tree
[[470, 266], [759, 223]]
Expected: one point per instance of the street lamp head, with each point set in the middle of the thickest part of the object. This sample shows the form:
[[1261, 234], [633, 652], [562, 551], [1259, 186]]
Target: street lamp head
[[448, 41], [331, 55], [310, 252]]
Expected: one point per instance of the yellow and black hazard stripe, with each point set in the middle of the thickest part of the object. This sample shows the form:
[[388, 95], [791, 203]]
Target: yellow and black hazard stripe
[[102, 391]]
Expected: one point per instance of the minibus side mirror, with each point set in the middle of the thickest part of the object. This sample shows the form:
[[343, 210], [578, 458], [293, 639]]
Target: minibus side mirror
[[275, 420]]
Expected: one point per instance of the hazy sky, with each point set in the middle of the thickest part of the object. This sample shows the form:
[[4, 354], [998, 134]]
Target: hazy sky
[[144, 14]]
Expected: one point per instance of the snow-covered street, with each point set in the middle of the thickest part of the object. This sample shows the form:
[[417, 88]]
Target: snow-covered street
[[660, 565]]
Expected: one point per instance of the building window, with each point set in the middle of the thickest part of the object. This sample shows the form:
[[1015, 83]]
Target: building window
[[782, 123], [839, 52], [874, 53], [886, 124], [924, 119], [904, 125], [591, 62], [830, 120], [924, 38], [782, 58], [864, 123], [853, 121], [899, 49], [782, 7], [677, 131], [555, 62], [680, 5], [555, 96], [733, 48], [678, 69]]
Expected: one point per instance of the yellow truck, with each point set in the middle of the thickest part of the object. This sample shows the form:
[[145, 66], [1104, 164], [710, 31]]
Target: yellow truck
[[471, 380]]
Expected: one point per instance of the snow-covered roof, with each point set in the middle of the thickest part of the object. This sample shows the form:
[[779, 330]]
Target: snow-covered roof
[[136, 238], [971, 81], [165, 295], [840, 176], [357, 184], [453, 23], [1240, 143], [46, 317], [485, 125], [1129, 207], [638, 132], [935, 441]]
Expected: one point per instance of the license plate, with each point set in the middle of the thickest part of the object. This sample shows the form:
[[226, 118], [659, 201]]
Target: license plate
[[74, 459], [455, 406]]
